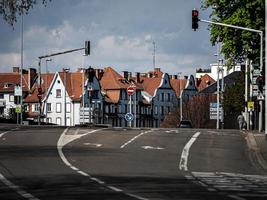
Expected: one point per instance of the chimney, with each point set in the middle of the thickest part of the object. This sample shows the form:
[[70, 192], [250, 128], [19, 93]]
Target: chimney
[[32, 75], [16, 69], [138, 77], [174, 77], [125, 75]]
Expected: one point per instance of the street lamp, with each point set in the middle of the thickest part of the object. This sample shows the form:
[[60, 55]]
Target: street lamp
[[46, 86], [65, 70]]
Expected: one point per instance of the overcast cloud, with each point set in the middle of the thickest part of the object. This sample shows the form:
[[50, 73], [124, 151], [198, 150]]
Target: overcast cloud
[[121, 34]]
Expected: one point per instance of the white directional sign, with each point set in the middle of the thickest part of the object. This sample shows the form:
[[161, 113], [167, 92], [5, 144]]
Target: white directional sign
[[213, 111]]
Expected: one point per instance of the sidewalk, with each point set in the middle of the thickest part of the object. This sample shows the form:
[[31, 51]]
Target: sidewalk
[[258, 143]]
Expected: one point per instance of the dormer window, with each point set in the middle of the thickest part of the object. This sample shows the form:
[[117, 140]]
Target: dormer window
[[6, 85]]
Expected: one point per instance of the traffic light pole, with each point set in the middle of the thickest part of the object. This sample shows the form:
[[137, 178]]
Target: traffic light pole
[[261, 57], [86, 48]]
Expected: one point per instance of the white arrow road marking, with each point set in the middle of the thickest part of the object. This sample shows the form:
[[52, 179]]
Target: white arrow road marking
[[150, 147], [134, 138], [185, 152], [92, 144], [65, 139]]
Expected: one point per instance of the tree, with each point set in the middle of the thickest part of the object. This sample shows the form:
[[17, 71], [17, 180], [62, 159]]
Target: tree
[[233, 101], [10, 9], [237, 44]]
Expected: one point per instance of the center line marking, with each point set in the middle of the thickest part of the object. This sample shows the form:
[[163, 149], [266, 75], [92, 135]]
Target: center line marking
[[185, 152], [134, 138]]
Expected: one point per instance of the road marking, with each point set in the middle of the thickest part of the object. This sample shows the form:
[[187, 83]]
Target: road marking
[[185, 152], [150, 147], [134, 138], [63, 141], [17, 188], [92, 144], [9, 184], [2, 134]]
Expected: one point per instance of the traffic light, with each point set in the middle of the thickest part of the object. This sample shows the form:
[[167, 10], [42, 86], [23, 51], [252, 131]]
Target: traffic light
[[87, 48], [261, 82], [195, 19]]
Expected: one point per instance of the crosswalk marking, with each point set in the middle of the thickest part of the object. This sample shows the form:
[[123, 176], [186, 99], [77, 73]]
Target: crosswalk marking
[[237, 186]]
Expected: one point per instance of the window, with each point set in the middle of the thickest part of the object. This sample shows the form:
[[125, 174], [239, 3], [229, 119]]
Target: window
[[58, 121], [35, 107], [68, 107], [95, 94], [161, 110], [156, 110], [58, 93], [11, 98], [125, 108], [168, 97], [58, 107], [162, 97], [49, 108], [26, 108], [1, 96]]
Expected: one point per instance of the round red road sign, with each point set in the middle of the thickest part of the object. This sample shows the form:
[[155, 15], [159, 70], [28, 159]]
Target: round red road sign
[[130, 90]]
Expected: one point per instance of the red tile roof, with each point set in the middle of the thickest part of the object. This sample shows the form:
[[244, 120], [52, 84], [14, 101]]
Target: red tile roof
[[12, 79], [204, 81]]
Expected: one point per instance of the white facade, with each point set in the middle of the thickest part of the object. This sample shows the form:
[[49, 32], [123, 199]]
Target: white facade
[[7, 101], [214, 71], [58, 106]]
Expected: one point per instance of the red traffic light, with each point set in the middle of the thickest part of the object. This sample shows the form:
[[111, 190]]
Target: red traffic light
[[195, 19]]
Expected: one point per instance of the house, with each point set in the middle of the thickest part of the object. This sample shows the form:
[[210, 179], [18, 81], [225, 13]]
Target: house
[[159, 94], [92, 99], [8, 82], [116, 100], [62, 102], [32, 100]]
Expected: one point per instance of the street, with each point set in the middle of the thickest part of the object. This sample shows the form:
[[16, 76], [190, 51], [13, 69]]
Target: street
[[117, 163]]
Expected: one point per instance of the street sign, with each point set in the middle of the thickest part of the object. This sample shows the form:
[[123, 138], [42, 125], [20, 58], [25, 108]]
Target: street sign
[[18, 109], [130, 90], [129, 117], [250, 105], [213, 111], [17, 91]]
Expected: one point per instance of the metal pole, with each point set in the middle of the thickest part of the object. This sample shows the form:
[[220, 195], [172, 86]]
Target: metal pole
[[246, 93], [40, 101], [250, 93], [265, 98], [222, 90], [46, 87], [21, 70], [130, 110], [218, 88], [65, 97], [135, 109], [83, 93], [181, 100]]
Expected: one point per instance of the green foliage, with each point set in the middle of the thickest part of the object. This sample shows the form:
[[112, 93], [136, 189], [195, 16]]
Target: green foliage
[[237, 44], [233, 98], [10, 9]]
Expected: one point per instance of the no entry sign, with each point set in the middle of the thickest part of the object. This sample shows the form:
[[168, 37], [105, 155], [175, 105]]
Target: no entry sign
[[130, 90]]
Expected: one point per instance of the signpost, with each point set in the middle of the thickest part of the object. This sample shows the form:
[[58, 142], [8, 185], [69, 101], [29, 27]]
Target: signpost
[[130, 92], [129, 117], [213, 111]]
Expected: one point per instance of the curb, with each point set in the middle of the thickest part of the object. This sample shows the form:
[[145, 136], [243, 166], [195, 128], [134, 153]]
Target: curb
[[252, 144]]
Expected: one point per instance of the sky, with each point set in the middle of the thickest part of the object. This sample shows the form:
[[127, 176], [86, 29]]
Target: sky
[[121, 33]]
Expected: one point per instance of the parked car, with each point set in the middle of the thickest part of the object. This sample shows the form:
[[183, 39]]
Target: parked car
[[185, 124]]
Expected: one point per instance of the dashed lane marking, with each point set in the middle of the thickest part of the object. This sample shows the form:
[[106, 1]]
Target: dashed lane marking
[[185, 152], [63, 141]]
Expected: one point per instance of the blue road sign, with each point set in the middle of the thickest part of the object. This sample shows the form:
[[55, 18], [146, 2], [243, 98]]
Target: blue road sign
[[129, 117]]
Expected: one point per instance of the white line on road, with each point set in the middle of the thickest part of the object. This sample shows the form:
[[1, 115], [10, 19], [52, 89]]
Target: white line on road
[[134, 138], [185, 152], [65, 139], [17, 188], [2, 134]]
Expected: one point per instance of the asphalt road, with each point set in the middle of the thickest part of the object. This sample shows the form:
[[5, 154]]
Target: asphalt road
[[121, 164]]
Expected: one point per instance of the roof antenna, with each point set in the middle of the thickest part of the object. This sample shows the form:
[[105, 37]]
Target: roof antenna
[[154, 54]]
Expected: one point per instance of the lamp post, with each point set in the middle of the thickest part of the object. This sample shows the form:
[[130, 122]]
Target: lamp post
[[65, 70], [46, 86], [181, 99]]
